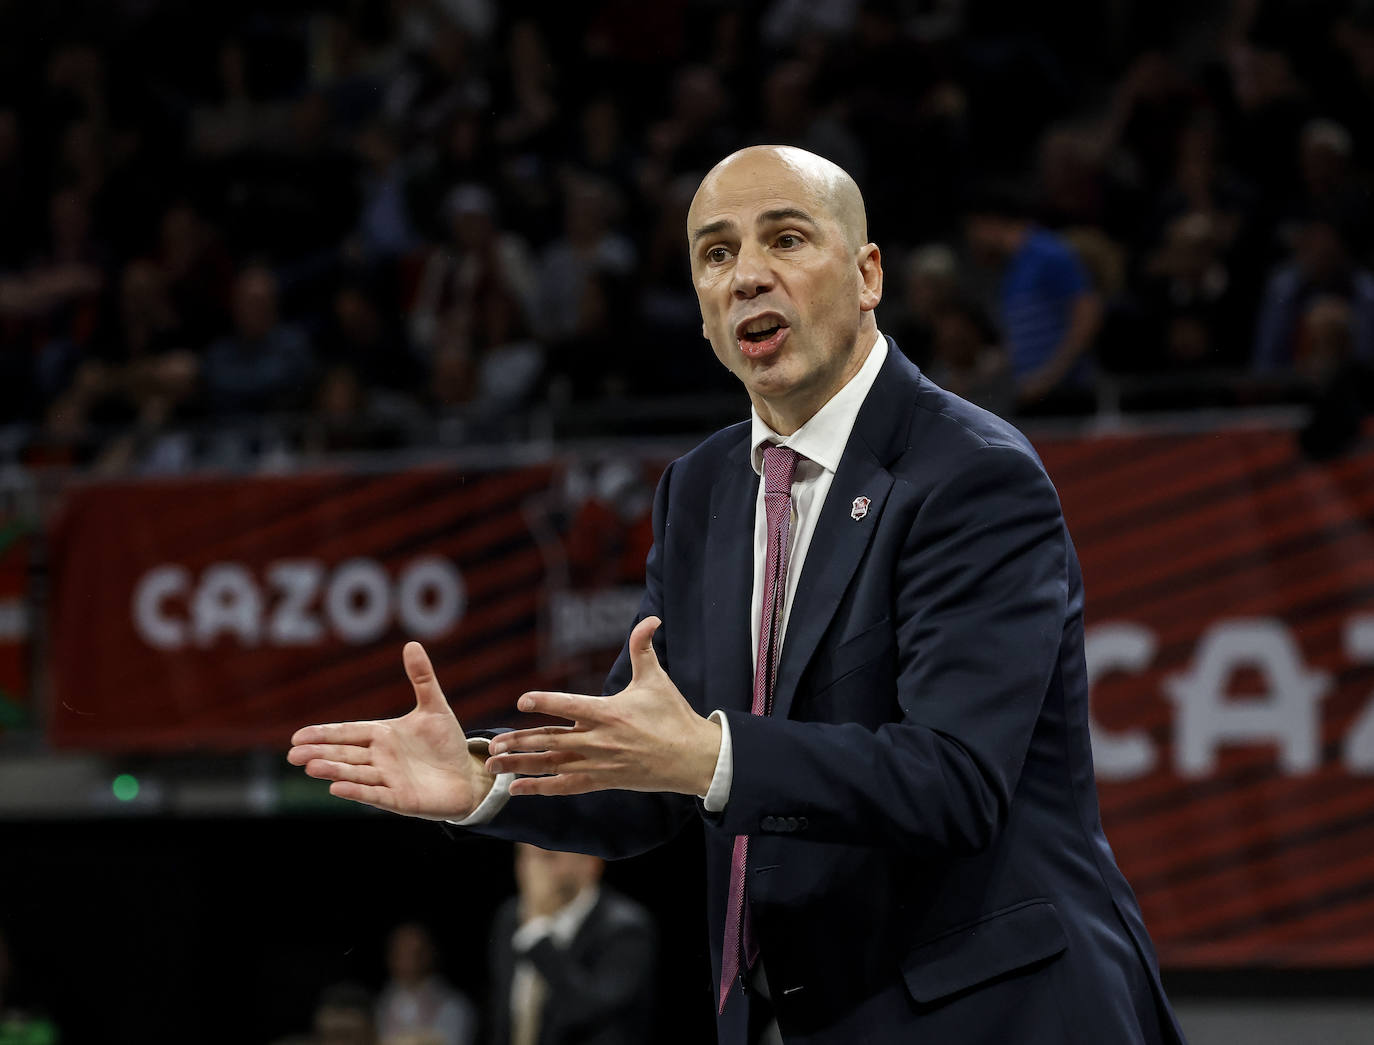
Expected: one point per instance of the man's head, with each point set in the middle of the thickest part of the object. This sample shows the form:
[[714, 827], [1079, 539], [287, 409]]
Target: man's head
[[785, 276], [410, 953], [997, 217], [557, 876], [255, 302]]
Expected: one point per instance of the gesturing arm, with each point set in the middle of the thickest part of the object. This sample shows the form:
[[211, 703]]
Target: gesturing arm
[[417, 765], [420, 764]]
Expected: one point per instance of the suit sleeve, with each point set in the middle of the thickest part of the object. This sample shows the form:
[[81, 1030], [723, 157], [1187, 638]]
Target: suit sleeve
[[979, 603], [608, 824]]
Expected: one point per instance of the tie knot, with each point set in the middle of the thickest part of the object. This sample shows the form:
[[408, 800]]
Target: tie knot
[[779, 465]]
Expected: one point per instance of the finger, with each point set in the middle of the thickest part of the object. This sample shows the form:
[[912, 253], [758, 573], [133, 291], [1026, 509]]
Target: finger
[[335, 733], [537, 738], [643, 659], [301, 754], [561, 784], [572, 706], [323, 769], [380, 797], [533, 763], [428, 695]]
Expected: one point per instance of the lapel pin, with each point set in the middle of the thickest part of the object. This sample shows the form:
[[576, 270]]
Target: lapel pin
[[860, 508]]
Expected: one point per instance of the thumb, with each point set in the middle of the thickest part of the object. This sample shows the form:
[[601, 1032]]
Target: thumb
[[643, 659], [428, 695]]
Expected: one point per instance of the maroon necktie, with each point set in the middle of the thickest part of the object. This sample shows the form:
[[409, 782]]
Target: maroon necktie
[[779, 465]]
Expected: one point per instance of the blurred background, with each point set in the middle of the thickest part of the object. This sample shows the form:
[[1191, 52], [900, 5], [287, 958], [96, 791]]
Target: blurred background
[[325, 326]]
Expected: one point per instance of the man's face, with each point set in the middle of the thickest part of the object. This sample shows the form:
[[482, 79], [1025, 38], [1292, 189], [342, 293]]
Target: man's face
[[781, 288]]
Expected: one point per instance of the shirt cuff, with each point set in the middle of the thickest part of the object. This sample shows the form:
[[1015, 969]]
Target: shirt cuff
[[537, 928], [718, 794], [496, 798]]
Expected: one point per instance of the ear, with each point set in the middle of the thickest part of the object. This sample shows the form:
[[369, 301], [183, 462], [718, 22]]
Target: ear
[[871, 272]]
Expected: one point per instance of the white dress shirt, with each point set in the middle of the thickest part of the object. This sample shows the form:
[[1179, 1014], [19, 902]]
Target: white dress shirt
[[526, 988], [821, 441]]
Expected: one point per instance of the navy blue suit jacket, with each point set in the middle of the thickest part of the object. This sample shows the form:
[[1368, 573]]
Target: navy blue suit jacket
[[926, 858]]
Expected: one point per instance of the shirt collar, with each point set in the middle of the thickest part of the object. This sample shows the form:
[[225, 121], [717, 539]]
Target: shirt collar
[[565, 924], [822, 439]]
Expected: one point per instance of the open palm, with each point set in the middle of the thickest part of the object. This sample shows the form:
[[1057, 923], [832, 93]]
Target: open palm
[[417, 764]]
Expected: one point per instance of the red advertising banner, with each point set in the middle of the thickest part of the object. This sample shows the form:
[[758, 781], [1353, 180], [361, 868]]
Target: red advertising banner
[[1230, 601], [221, 614], [1230, 593]]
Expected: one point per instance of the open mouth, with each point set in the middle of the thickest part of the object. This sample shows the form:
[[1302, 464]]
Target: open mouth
[[762, 336]]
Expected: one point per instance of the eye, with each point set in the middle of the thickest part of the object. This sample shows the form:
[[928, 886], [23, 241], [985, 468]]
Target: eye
[[716, 255], [788, 240]]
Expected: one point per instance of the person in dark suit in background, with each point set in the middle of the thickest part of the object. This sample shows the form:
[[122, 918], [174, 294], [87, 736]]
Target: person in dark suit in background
[[572, 962], [858, 666]]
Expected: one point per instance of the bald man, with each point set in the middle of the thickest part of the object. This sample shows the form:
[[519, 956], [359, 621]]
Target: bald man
[[858, 665]]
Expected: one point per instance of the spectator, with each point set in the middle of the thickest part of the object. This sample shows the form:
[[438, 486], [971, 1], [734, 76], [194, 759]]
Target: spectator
[[967, 359], [1330, 185], [198, 270], [480, 259], [361, 334], [572, 962], [1196, 318], [931, 283], [384, 229], [417, 1004], [140, 370], [264, 365], [1342, 384], [589, 247], [1320, 265], [1050, 313]]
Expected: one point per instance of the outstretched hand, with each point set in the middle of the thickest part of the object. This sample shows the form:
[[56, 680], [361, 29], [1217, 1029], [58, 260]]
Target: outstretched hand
[[644, 738], [418, 764]]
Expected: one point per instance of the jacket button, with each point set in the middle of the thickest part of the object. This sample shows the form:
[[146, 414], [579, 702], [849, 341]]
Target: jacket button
[[768, 823], [803, 823], [791, 823]]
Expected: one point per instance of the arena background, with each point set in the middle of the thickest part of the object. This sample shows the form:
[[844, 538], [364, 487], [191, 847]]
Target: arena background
[[452, 232]]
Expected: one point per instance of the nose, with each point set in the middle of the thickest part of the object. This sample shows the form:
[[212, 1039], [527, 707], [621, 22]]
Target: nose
[[753, 275]]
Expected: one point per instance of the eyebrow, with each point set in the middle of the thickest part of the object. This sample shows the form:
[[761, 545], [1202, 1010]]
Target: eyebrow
[[768, 217]]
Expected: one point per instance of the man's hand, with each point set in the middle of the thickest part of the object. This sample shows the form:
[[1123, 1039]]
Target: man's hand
[[644, 738], [417, 764]]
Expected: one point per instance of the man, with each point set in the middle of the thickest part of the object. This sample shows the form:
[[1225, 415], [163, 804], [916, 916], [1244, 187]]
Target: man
[[1050, 312], [868, 684], [417, 1003], [572, 963]]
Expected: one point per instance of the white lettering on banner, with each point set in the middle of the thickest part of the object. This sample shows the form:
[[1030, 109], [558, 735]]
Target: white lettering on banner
[[358, 601], [300, 602], [430, 597], [292, 623], [1359, 743], [226, 600], [1286, 713], [1119, 647], [156, 586]]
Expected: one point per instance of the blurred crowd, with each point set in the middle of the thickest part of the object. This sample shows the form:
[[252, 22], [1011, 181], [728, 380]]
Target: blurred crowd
[[230, 232]]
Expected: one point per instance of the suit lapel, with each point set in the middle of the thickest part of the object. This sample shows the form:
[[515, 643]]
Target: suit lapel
[[729, 588], [840, 540]]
